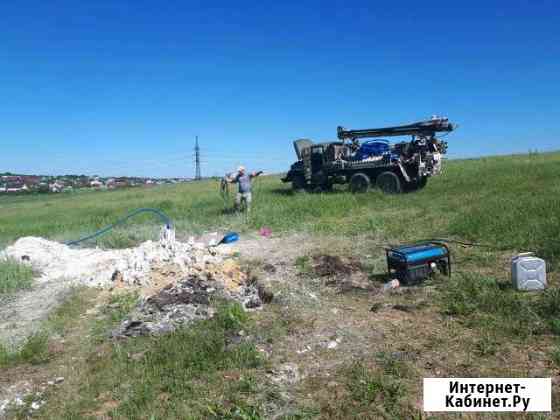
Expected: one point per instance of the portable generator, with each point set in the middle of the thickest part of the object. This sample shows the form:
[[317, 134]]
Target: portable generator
[[412, 264]]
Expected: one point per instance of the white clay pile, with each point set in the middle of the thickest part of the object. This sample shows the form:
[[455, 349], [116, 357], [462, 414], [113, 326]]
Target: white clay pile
[[97, 267]]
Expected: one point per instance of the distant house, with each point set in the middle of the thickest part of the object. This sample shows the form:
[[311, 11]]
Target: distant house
[[43, 187], [17, 188], [81, 182], [12, 184], [31, 180], [96, 183], [122, 182], [117, 183], [56, 187], [12, 178]]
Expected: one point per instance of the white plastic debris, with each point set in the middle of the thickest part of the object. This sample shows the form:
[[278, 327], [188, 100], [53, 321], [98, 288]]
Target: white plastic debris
[[97, 267], [393, 284], [35, 405], [213, 239], [167, 236], [14, 395]]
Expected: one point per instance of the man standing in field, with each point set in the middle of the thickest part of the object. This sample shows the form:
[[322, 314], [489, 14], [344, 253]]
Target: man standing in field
[[244, 192]]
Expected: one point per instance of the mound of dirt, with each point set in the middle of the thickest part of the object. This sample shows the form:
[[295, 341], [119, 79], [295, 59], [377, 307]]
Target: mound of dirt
[[332, 265], [346, 274]]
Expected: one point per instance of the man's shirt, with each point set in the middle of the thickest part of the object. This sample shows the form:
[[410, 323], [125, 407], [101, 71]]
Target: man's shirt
[[244, 182]]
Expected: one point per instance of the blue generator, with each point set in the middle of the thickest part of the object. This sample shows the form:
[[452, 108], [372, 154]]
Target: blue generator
[[412, 264]]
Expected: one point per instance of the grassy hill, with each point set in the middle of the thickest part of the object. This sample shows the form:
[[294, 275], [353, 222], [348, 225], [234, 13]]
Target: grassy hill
[[511, 202], [360, 353]]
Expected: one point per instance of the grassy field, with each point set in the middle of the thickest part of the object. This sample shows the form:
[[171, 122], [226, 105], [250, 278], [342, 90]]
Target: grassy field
[[14, 276], [473, 324], [509, 202]]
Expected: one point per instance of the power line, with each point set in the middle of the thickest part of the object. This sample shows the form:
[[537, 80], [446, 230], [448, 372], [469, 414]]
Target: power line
[[198, 175]]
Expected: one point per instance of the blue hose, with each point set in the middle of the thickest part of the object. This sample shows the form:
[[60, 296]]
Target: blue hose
[[100, 232]]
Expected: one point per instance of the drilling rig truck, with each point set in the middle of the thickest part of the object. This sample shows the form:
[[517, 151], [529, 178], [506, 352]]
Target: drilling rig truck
[[394, 168]]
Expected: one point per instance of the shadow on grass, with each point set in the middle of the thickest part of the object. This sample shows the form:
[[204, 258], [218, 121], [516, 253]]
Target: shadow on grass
[[289, 192], [284, 191], [228, 211]]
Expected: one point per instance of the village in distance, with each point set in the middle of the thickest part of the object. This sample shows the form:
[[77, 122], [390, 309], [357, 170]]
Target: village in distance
[[21, 184]]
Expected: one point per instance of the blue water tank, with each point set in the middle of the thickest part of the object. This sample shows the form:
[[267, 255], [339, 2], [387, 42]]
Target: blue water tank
[[372, 148]]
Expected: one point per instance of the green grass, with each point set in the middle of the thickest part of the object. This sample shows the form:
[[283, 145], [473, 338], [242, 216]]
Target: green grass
[[116, 310], [179, 375], [368, 393], [303, 264], [34, 350], [14, 276], [368, 386], [510, 202], [121, 304], [68, 311], [555, 356], [498, 309]]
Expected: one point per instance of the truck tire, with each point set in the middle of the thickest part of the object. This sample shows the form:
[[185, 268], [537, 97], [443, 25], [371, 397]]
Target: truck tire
[[389, 183], [422, 182], [359, 183], [317, 189], [417, 184], [321, 188], [298, 183]]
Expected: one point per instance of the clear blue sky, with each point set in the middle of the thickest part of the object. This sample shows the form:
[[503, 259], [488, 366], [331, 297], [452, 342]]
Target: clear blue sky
[[121, 88]]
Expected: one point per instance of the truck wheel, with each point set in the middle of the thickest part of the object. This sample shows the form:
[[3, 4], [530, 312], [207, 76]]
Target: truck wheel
[[417, 184], [359, 183], [389, 183], [298, 183], [318, 189], [422, 182]]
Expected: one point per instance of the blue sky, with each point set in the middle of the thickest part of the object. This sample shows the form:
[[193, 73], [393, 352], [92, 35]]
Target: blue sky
[[122, 88]]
